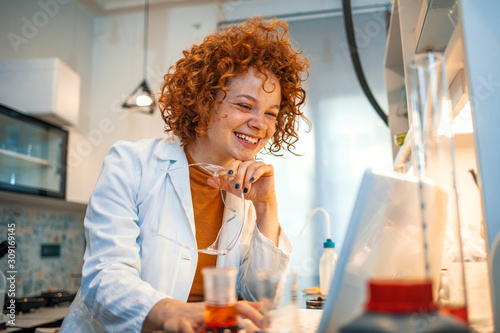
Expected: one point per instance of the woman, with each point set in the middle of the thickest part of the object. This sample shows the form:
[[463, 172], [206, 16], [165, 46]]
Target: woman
[[235, 94]]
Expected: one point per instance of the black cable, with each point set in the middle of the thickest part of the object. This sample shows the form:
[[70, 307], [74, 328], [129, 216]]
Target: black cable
[[353, 51]]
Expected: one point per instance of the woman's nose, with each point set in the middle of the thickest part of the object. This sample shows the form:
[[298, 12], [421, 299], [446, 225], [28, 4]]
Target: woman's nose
[[258, 121]]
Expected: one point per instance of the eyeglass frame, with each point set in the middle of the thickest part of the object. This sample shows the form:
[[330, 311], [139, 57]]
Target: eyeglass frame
[[217, 172]]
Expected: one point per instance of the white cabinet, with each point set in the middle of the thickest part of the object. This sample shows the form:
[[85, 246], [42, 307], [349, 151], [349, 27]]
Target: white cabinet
[[45, 88]]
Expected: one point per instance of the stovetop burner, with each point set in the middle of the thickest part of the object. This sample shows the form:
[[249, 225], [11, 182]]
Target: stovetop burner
[[25, 304], [56, 297]]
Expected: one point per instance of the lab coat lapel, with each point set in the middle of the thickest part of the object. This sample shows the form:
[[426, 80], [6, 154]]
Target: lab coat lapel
[[178, 172], [180, 182]]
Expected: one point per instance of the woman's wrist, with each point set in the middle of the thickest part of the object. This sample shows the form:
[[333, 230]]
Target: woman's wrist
[[153, 320], [267, 220]]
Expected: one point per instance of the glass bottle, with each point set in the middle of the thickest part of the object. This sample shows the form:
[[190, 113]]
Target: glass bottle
[[400, 306]]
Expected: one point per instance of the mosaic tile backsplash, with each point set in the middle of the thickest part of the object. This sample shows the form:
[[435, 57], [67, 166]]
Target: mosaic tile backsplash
[[35, 226]]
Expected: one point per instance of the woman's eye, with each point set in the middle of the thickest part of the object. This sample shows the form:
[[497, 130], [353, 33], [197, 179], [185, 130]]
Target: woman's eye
[[273, 115], [245, 106]]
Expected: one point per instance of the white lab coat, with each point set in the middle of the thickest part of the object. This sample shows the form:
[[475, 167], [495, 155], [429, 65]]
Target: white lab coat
[[127, 267]]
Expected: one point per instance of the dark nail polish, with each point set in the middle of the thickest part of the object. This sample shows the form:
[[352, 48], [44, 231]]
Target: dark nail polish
[[230, 172], [252, 179], [237, 186], [245, 190]]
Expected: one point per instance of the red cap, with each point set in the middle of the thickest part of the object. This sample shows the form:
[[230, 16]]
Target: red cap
[[400, 296]]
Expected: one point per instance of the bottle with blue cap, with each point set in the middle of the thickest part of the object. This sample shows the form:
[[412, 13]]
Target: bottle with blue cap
[[327, 265], [328, 260]]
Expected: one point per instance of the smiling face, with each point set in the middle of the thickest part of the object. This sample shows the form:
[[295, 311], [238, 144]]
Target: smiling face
[[242, 122]]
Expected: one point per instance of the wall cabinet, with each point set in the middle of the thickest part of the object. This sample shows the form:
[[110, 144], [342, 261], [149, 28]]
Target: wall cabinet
[[32, 155], [54, 89]]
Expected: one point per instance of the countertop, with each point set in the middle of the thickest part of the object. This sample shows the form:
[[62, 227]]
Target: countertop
[[38, 317], [40, 201]]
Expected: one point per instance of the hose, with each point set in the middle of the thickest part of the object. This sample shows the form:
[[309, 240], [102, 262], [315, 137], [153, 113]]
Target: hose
[[353, 51]]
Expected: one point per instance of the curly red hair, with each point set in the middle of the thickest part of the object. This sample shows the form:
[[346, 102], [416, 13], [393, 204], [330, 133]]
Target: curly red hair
[[189, 88]]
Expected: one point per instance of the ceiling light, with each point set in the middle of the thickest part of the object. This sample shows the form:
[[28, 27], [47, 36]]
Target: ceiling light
[[142, 98]]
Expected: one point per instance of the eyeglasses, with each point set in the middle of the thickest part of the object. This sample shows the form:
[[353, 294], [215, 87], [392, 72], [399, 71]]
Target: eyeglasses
[[219, 173]]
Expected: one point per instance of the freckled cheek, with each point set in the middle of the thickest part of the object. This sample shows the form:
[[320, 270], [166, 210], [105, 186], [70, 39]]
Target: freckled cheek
[[270, 132], [239, 117], [271, 128]]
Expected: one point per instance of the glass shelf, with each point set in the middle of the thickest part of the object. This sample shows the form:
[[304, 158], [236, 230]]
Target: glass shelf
[[26, 158]]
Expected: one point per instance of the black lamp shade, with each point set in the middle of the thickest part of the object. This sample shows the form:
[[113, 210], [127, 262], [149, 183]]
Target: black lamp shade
[[141, 99]]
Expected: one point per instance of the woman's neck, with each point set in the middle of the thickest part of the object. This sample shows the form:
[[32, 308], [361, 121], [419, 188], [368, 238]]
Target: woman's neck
[[200, 155]]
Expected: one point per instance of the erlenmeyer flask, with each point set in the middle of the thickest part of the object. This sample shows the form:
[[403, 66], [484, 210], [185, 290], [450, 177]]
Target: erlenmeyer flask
[[434, 162]]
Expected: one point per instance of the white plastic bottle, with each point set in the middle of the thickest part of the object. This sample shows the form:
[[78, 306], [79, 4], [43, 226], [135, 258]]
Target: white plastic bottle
[[327, 265]]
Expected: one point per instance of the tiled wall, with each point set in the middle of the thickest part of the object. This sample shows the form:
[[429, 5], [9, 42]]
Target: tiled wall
[[35, 226]]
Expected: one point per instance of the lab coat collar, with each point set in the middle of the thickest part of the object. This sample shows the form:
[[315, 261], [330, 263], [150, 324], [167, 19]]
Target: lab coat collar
[[169, 148]]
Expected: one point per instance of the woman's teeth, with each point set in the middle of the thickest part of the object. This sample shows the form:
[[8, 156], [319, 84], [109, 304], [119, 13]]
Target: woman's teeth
[[247, 138]]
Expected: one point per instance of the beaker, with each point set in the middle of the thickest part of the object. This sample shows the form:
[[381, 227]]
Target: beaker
[[434, 162], [220, 299], [280, 311]]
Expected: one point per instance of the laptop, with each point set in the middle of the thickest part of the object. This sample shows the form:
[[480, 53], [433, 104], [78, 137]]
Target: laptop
[[385, 222]]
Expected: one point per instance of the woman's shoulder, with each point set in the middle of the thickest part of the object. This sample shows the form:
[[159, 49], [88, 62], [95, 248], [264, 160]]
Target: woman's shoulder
[[148, 142], [165, 147]]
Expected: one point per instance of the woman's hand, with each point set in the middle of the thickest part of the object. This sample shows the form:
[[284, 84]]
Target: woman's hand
[[171, 315], [256, 180]]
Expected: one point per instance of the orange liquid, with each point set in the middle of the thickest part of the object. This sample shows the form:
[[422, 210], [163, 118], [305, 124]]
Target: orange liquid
[[457, 311], [220, 318]]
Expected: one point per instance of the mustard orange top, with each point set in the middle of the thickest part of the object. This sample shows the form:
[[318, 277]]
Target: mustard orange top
[[208, 210]]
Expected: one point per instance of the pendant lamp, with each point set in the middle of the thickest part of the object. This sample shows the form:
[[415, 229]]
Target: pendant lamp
[[142, 98]]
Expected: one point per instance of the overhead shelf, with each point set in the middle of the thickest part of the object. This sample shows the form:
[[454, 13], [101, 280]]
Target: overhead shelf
[[435, 25]]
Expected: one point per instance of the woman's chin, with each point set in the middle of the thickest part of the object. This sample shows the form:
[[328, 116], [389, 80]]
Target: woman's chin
[[244, 157]]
